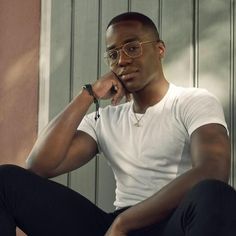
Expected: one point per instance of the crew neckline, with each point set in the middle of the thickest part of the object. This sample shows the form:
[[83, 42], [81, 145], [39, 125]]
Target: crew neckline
[[156, 106]]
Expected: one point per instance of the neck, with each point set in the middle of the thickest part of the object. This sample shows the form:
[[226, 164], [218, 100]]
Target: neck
[[150, 95]]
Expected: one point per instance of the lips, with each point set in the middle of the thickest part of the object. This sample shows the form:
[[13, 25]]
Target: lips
[[128, 76]]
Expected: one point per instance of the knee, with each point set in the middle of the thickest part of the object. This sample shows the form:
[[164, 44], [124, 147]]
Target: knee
[[209, 203], [211, 190], [210, 186]]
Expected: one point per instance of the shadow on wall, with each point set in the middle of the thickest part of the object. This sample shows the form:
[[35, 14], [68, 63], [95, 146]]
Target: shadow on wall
[[212, 52]]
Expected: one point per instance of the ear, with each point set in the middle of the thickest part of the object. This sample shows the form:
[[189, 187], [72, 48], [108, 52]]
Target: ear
[[161, 48]]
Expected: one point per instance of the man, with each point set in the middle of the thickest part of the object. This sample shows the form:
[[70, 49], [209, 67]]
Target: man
[[168, 148]]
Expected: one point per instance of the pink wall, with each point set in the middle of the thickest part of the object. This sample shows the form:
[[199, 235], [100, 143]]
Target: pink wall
[[19, 55], [19, 68]]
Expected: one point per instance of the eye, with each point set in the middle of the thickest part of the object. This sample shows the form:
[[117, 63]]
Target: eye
[[132, 48], [112, 54]]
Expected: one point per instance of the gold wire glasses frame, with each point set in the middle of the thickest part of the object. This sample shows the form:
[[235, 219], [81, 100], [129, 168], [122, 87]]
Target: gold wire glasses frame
[[132, 49]]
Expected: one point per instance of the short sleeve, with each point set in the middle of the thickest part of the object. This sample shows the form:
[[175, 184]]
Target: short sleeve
[[198, 107], [87, 125]]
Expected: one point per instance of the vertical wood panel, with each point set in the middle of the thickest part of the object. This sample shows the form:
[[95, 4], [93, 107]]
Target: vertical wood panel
[[85, 61], [215, 55], [233, 89], [151, 9], [214, 49], [177, 33], [106, 183], [60, 61], [44, 64], [60, 56], [85, 43]]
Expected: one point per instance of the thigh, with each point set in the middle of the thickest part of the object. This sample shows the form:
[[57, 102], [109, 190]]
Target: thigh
[[43, 207], [208, 209], [154, 230]]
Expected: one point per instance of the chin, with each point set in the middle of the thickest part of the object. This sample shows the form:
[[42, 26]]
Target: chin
[[133, 89]]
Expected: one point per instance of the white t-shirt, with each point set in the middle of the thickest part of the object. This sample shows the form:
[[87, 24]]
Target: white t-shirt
[[146, 158]]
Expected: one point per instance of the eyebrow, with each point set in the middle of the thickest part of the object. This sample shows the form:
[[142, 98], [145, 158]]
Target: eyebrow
[[124, 42]]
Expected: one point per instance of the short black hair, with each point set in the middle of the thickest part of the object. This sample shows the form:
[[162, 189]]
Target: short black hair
[[136, 16]]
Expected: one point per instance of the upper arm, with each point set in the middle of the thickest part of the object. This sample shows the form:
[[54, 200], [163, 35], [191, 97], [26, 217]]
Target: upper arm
[[210, 150], [82, 149]]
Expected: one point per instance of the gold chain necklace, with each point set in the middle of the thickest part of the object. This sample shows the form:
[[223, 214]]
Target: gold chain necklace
[[137, 124]]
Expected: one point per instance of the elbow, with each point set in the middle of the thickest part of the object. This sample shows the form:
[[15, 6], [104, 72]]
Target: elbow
[[225, 176], [217, 170], [221, 173], [223, 169], [32, 167]]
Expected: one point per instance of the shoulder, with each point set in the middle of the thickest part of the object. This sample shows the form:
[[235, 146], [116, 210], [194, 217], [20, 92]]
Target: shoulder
[[185, 97], [184, 93], [196, 107], [115, 110], [110, 112], [195, 100], [109, 115]]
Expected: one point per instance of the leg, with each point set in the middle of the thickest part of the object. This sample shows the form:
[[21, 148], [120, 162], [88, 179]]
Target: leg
[[42, 207], [208, 210]]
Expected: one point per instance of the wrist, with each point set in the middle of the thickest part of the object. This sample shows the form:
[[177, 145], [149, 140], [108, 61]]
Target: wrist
[[86, 95], [89, 89]]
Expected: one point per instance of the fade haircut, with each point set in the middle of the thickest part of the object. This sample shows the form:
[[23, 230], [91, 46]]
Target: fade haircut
[[136, 16]]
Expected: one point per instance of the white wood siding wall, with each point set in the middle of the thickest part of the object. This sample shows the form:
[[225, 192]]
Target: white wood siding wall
[[200, 41]]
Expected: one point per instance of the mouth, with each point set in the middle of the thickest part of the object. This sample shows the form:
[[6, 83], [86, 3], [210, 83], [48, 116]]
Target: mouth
[[128, 75]]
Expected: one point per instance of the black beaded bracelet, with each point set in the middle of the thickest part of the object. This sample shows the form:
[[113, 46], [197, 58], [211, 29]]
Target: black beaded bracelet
[[89, 88]]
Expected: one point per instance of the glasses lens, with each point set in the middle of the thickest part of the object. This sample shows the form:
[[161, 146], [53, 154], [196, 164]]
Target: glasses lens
[[111, 56], [133, 49]]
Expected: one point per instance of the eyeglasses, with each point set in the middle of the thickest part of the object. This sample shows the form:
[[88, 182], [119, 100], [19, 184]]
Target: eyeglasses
[[132, 49]]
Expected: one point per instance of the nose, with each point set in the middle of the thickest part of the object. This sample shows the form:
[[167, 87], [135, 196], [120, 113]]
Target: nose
[[123, 58]]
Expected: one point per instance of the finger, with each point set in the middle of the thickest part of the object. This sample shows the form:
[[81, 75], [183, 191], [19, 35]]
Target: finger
[[127, 96], [124, 92], [119, 79], [127, 93], [120, 93]]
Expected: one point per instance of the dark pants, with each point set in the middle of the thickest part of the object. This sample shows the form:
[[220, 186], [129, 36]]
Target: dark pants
[[41, 207]]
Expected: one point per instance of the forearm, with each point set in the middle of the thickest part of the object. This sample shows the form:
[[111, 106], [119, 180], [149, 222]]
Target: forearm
[[53, 142], [161, 204], [49, 152]]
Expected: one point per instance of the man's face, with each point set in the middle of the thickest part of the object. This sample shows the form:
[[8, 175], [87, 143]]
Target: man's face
[[136, 73]]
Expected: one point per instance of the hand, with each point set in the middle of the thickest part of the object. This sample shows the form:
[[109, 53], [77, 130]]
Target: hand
[[109, 87]]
